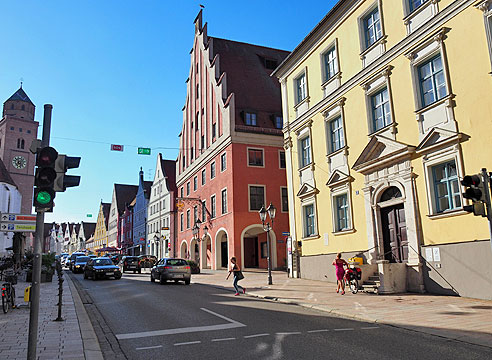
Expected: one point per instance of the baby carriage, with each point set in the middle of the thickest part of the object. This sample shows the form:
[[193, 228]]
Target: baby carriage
[[352, 277]]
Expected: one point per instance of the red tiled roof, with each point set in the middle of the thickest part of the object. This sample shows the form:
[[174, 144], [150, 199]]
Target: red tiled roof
[[169, 171], [124, 195]]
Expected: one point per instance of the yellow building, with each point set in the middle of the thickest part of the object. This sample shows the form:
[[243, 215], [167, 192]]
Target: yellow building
[[386, 107], [100, 239]]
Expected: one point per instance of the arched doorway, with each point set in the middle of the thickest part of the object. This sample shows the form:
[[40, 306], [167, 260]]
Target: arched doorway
[[195, 251], [393, 225], [254, 247], [221, 249], [206, 253], [184, 250]]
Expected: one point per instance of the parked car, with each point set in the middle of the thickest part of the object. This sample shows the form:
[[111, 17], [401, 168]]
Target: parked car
[[130, 263], [100, 268], [116, 258], [64, 259], [92, 256], [147, 261], [79, 264], [171, 269], [73, 257]]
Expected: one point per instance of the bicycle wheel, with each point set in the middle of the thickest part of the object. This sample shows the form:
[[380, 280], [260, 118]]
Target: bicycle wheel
[[354, 286], [12, 297], [5, 302]]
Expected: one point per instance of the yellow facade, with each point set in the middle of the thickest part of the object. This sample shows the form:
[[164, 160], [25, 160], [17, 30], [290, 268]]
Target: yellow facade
[[101, 232], [413, 107]]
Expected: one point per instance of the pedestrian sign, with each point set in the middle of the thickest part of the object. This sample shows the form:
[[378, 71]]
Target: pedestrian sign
[[143, 151]]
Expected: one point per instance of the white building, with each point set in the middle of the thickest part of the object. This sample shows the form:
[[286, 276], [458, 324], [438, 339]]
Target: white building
[[10, 202]]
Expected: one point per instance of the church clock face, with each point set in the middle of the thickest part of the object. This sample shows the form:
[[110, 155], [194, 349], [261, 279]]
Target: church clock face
[[19, 162]]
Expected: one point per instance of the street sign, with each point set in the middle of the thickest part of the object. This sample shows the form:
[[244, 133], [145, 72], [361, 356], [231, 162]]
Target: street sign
[[115, 147], [285, 233], [165, 228], [89, 215], [17, 227], [143, 151], [18, 218]]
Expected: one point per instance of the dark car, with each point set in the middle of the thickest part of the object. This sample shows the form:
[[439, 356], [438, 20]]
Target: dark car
[[72, 258], [171, 269], [79, 264], [147, 261], [130, 263], [100, 268], [116, 258]]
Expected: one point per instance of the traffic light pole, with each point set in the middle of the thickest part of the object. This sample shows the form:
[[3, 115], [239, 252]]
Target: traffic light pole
[[36, 269], [487, 188]]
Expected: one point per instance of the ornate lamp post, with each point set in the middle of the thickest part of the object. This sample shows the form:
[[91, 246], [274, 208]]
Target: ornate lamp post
[[196, 235], [271, 210]]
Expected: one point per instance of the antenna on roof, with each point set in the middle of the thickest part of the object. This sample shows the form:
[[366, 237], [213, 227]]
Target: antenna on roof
[[21, 81]]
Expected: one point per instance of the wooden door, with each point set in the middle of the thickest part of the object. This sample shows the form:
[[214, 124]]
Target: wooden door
[[395, 245]]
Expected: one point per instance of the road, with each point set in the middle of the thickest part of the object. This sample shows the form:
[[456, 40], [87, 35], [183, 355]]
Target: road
[[176, 321]]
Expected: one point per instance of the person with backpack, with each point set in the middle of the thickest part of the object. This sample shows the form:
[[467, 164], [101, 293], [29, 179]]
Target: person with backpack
[[238, 275]]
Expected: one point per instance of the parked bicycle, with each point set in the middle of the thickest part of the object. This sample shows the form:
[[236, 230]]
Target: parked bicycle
[[352, 276], [8, 290]]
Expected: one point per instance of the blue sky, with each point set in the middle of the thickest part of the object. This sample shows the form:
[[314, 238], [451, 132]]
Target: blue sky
[[115, 73]]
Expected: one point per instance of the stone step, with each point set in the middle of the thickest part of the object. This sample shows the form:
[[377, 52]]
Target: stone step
[[369, 288], [372, 283], [374, 278]]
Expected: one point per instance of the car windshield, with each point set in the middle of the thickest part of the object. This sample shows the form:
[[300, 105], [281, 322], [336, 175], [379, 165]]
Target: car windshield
[[100, 262], [82, 259], [176, 262]]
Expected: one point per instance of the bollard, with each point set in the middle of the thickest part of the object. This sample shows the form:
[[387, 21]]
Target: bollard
[[59, 272]]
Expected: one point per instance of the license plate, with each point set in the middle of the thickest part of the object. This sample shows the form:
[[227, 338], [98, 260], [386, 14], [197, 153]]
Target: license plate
[[180, 276], [109, 274]]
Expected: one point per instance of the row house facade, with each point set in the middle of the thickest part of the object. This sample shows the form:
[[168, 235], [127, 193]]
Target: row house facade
[[10, 202], [86, 232], [161, 239], [126, 221], [140, 215], [231, 158], [101, 230], [123, 195], [384, 114]]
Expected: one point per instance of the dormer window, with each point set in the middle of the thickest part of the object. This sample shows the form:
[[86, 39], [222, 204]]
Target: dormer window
[[270, 64], [250, 119], [279, 122]]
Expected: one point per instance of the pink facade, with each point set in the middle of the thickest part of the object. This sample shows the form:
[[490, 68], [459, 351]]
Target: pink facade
[[126, 225], [230, 154]]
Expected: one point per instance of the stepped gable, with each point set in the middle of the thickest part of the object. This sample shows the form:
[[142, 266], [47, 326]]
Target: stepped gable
[[248, 68], [169, 170], [5, 175], [105, 209], [124, 195], [89, 228]]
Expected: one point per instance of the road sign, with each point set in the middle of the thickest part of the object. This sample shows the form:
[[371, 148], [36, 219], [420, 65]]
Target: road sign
[[89, 215], [115, 147], [17, 227], [143, 151], [165, 228], [285, 233], [18, 218]]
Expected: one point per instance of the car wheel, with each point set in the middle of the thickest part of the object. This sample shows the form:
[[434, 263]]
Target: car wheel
[[162, 280], [152, 278], [134, 272], [139, 271], [187, 281], [117, 277], [85, 275], [94, 277]]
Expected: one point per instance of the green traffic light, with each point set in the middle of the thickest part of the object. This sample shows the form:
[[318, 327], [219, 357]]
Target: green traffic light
[[43, 197]]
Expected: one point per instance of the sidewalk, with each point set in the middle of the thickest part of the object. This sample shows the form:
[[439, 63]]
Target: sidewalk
[[458, 318], [56, 340]]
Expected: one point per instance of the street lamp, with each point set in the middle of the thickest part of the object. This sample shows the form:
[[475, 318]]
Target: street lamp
[[196, 235], [156, 244], [271, 210]]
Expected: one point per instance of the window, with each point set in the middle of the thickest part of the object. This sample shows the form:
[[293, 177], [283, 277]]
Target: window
[[255, 157], [188, 188], [341, 212], [28, 131], [184, 162], [305, 152], [188, 218], [285, 199], [301, 90], [212, 170], [415, 4], [195, 214], [330, 63], [381, 114], [282, 159], [431, 80], [202, 142], [308, 220], [279, 122], [250, 119], [447, 194], [204, 211], [223, 162], [195, 183], [214, 130], [182, 192], [224, 201], [336, 137], [20, 129], [204, 175], [372, 27], [197, 91], [256, 197], [213, 208], [192, 153], [182, 221]]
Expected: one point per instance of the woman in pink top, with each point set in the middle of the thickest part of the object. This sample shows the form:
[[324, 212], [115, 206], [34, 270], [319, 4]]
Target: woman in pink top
[[340, 272]]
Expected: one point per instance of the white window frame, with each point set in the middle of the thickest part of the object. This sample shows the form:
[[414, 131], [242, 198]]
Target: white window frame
[[280, 159], [262, 157], [281, 200], [249, 196], [223, 156], [329, 133], [300, 140], [302, 85], [222, 212], [331, 49], [213, 174], [250, 118], [204, 176], [315, 225], [486, 7], [213, 206], [195, 183]]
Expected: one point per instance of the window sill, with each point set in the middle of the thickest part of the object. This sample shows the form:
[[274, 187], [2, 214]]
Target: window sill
[[305, 100], [305, 167], [435, 104], [445, 214], [336, 152], [336, 76], [383, 129], [379, 41], [312, 237], [344, 232]]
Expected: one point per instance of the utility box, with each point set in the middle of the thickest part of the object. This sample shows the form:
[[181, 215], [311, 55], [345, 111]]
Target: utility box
[[27, 294]]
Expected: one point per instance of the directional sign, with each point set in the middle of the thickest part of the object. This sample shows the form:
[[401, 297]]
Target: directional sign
[[144, 151], [285, 233], [115, 147], [18, 218], [17, 227], [89, 215]]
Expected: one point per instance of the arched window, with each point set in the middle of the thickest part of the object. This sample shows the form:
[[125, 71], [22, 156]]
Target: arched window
[[18, 143], [23, 107], [390, 193], [22, 144]]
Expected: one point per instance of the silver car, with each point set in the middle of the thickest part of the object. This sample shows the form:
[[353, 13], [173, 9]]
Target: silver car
[[171, 269]]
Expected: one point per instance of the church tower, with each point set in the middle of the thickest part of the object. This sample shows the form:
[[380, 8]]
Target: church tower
[[17, 131]]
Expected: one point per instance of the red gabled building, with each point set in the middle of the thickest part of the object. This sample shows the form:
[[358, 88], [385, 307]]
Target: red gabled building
[[231, 159]]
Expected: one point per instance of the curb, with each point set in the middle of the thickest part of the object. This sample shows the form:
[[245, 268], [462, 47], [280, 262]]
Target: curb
[[92, 350], [336, 312]]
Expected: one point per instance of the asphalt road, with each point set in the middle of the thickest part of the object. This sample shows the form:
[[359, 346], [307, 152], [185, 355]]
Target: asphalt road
[[177, 321]]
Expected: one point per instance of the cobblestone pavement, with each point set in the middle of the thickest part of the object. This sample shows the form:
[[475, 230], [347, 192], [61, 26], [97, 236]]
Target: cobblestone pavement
[[458, 318], [56, 340]]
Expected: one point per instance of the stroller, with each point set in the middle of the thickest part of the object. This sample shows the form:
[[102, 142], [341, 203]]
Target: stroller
[[352, 277]]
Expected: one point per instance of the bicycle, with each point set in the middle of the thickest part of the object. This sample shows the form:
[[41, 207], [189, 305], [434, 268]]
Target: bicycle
[[351, 278], [8, 290]]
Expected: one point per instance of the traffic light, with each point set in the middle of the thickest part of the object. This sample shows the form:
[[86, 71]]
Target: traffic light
[[62, 164], [475, 191], [45, 176]]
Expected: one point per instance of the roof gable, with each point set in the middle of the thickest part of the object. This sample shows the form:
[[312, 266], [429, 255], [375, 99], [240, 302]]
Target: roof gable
[[307, 190], [338, 177], [437, 138], [20, 95], [124, 195]]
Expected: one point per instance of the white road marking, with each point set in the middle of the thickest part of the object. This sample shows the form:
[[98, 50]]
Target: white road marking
[[256, 335], [289, 333], [310, 296], [231, 325], [369, 327], [224, 339], [346, 329], [317, 331], [149, 347], [359, 306], [188, 343]]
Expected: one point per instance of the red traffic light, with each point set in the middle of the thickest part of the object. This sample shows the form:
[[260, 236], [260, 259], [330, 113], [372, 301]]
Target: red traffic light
[[471, 180], [46, 157]]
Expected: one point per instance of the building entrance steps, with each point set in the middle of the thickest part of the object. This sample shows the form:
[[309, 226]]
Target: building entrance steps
[[458, 318]]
